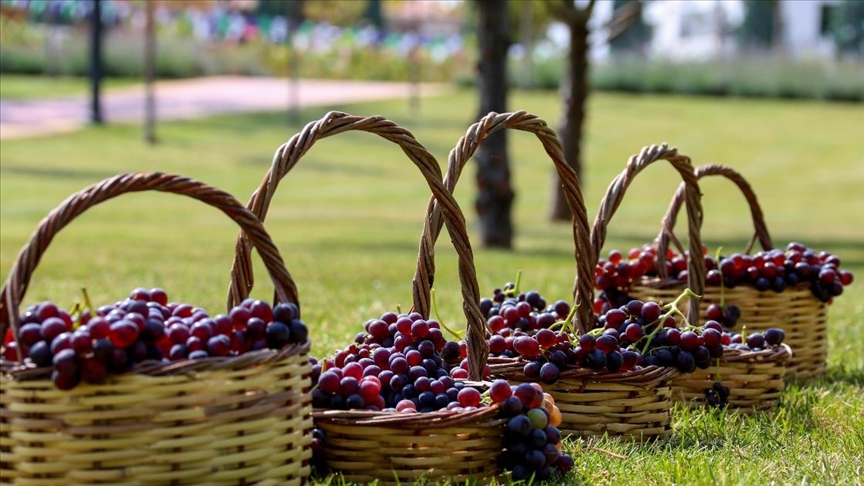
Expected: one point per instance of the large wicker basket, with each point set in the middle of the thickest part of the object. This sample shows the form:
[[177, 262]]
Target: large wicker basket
[[632, 404], [392, 447], [636, 404], [233, 420], [796, 310], [754, 378]]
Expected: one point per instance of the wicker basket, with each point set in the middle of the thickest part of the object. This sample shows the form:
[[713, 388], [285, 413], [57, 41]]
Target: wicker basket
[[796, 310], [636, 404], [632, 404], [754, 378], [459, 157], [392, 447], [244, 419]]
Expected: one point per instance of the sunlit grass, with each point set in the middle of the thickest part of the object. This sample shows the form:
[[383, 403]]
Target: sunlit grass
[[348, 218]]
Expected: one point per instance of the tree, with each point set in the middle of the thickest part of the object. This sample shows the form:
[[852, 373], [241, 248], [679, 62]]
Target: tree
[[149, 74], [374, 14], [847, 25], [96, 63], [494, 191], [759, 28], [635, 38], [574, 88]]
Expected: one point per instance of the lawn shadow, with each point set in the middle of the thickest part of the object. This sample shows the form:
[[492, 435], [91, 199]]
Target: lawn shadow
[[54, 172]]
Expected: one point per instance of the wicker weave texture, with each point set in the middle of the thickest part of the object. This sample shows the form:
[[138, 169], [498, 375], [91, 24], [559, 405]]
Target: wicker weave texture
[[441, 446], [795, 310], [389, 446], [631, 405], [213, 427], [227, 420], [629, 412], [755, 380], [465, 149], [802, 317]]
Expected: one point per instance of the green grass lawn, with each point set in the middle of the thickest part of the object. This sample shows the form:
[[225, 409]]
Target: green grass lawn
[[348, 218], [20, 87]]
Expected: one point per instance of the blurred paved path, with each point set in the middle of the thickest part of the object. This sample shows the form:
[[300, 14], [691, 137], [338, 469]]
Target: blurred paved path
[[192, 98]]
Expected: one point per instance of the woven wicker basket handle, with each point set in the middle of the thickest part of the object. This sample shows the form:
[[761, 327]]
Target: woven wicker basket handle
[[28, 258], [615, 193], [333, 123], [459, 157], [667, 232]]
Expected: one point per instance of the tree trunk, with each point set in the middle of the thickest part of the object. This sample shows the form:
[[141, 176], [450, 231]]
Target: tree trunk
[[96, 63], [494, 191], [574, 94], [149, 76]]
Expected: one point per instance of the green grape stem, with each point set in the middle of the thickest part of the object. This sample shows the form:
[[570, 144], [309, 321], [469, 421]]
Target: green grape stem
[[88, 305], [672, 309], [518, 281], [441, 321], [566, 325]]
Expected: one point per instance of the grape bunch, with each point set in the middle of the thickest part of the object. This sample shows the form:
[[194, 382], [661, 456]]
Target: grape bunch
[[777, 269], [614, 275], [773, 270], [727, 316], [755, 341], [318, 461], [532, 440], [717, 396], [401, 362], [145, 327], [510, 309], [635, 335]]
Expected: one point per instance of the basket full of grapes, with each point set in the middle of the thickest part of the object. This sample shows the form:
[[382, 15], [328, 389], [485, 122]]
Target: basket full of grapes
[[788, 288], [609, 372], [147, 391], [393, 406], [749, 377]]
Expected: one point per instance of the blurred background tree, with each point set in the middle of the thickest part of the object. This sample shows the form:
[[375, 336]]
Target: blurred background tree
[[847, 26], [494, 190], [760, 28], [575, 88], [635, 39]]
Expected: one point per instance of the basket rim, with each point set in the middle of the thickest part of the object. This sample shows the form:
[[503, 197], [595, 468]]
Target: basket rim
[[187, 366], [480, 417], [511, 368], [781, 353]]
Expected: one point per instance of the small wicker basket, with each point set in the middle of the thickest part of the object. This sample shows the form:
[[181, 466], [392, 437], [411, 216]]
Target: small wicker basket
[[754, 378], [802, 316], [232, 420], [632, 405], [393, 447]]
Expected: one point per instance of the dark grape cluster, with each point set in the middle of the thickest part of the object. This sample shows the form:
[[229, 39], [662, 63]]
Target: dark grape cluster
[[318, 461], [773, 270], [401, 362], [145, 326], [755, 341], [717, 396], [532, 440], [727, 316], [614, 276], [629, 337], [508, 310]]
